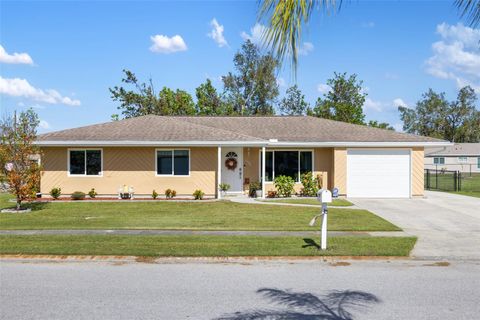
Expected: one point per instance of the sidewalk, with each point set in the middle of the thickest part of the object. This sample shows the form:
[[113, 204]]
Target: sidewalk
[[249, 200]]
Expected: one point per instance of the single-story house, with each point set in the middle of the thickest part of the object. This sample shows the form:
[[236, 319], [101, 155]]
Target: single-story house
[[190, 153], [463, 157]]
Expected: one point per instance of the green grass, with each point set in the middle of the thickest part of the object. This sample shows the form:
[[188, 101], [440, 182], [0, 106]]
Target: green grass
[[223, 215], [470, 184], [312, 201], [194, 246], [469, 193]]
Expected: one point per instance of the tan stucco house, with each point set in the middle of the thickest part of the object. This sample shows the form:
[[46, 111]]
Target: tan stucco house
[[189, 153], [463, 157]]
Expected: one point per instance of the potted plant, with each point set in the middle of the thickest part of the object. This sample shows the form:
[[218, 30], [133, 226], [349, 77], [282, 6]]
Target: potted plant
[[224, 187], [255, 189]]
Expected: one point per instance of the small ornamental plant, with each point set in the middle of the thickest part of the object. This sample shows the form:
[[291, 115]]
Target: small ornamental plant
[[168, 193], [224, 187], [154, 194], [56, 192], [310, 185], [198, 194], [284, 185], [173, 194], [92, 193], [78, 195]]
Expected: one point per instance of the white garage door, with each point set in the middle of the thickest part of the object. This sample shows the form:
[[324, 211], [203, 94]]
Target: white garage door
[[378, 173]]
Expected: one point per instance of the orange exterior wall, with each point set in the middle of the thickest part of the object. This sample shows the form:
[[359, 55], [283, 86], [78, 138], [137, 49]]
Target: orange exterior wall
[[132, 166], [418, 172]]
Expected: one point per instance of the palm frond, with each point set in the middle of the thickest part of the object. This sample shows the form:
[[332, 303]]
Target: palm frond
[[470, 10], [284, 22]]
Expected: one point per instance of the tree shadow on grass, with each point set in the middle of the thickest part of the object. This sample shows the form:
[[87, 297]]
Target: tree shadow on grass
[[335, 305], [310, 243]]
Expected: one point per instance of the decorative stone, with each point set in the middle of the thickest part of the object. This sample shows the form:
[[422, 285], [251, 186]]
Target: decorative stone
[[13, 210]]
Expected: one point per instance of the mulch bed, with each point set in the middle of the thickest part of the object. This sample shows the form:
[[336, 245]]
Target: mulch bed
[[68, 199]]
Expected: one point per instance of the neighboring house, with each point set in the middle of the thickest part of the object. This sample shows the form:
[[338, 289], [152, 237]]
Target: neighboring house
[[464, 157], [189, 153]]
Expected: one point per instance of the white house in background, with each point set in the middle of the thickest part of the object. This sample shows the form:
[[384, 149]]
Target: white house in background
[[463, 157]]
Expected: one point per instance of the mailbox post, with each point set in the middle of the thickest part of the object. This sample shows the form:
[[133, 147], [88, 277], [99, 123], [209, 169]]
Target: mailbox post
[[324, 197]]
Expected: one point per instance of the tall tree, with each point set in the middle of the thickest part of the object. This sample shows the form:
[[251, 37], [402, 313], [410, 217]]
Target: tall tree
[[434, 116], [294, 102], [253, 88], [344, 102], [209, 101], [17, 154], [381, 125], [142, 99]]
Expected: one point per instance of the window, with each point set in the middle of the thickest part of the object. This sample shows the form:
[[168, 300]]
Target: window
[[85, 162], [438, 160], [287, 163], [478, 162], [173, 162], [462, 159]]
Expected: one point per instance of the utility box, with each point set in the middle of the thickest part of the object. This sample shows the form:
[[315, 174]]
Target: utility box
[[324, 196]]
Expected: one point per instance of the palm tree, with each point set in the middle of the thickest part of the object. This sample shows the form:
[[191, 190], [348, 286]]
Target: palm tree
[[286, 18]]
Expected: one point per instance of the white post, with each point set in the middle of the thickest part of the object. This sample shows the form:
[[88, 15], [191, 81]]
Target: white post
[[324, 226], [263, 172], [219, 171]]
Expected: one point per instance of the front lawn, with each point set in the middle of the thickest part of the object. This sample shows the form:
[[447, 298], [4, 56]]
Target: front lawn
[[222, 215], [312, 201], [203, 246]]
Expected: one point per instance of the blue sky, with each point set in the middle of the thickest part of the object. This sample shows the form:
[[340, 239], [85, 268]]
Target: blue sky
[[61, 57]]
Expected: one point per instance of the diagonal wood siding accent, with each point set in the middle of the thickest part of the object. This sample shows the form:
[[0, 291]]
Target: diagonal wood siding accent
[[417, 171], [340, 170], [131, 166]]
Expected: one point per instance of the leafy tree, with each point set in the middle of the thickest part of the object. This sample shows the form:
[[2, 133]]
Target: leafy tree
[[434, 116], [294, 103], [381, 125], [209, 102], [469, 9], [142, 100], [16, 155], [344, 101], [253, 88]]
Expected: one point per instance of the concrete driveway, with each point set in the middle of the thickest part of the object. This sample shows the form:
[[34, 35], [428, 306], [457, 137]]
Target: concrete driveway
[[447, 225]]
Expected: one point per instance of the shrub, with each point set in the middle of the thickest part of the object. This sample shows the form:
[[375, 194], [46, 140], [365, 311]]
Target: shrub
[[78, 195], [310, 185], [169, 193], [198, 194], [224, 187], [92, 193], [284, 185], [253, 187], [272, 194], [154, 194], [55, 192]]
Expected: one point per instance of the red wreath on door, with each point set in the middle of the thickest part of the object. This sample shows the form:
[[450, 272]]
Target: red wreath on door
[[231, 163]]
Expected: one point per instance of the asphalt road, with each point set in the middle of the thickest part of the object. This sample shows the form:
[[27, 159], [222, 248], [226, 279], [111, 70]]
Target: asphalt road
[[201, 290]]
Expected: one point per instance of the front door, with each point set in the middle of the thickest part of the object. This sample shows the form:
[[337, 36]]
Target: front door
[[232, 169]]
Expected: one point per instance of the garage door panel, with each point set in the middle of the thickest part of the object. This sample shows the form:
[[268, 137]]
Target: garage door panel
[[378, 173]]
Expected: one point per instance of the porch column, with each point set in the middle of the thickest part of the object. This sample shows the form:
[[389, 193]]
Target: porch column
[[219, 171], [263, 172]]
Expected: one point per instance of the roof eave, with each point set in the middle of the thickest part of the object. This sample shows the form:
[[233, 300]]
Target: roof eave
[[100, 143]]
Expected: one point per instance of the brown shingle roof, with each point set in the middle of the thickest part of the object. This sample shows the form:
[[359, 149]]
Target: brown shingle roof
[[239, 129]]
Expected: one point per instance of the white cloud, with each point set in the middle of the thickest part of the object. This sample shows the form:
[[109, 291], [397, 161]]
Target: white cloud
[[255, 34], [456, 56], [44, 124], [398, 127], [305, 48], [15, 58], [17, 87], [372, 105], [391, 76], [281, 82], [217, 33], [323, 88], [369, 24], [164, 44], [399, 103]]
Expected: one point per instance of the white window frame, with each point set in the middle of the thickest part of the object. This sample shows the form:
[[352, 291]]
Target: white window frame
[[100, 174], [462, 159], [478, 163], [438, 161], [173, 162], [273, 161]]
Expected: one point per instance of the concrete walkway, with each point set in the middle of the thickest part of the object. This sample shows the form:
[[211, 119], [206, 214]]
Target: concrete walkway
[[249, 200], [144, 232], [447, 225]]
